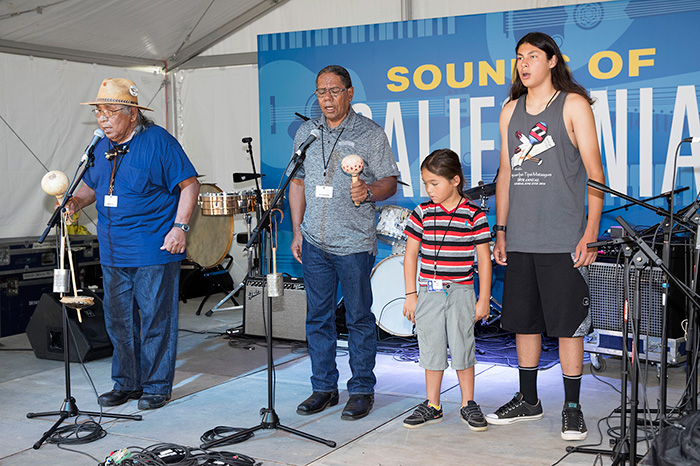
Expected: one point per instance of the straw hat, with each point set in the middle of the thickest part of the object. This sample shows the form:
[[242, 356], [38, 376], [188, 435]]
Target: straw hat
[[117, 91]]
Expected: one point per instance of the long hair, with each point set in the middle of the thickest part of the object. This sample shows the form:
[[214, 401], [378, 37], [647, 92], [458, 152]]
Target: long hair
[[143, 122], [562, 80], [445, 163]]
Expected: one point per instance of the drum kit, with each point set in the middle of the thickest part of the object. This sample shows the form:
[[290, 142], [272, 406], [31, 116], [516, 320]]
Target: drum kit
[[388, 290]]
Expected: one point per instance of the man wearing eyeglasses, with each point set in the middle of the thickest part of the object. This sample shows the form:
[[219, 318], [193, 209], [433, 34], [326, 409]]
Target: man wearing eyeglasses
[[335, 239], [145, 189]]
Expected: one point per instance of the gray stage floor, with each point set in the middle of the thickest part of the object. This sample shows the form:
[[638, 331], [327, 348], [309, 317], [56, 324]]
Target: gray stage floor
[[217, 385]]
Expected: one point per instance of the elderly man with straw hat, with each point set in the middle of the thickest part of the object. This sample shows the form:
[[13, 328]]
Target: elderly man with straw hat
[[145, 189]]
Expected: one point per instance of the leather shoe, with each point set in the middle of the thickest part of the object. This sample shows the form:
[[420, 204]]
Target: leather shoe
[[317, 402], [358, 406], [152, 401], [118, 397]]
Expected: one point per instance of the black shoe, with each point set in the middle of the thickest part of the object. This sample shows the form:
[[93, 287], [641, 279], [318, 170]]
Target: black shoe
[[151, 401], [118, 397], [317, 402], [358, 407]]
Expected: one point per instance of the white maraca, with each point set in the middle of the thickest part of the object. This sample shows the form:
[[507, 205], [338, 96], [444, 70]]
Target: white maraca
[[55, 183], [352, 165]]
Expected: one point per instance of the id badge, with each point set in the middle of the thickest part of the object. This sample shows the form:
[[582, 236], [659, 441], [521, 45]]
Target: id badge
[[324, 191], [111, 201], [434, 285]]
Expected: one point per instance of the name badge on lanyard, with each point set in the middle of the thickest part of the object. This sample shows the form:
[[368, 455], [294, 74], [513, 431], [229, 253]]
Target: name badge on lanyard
[[111, 201], [324, 191], [434, 285]]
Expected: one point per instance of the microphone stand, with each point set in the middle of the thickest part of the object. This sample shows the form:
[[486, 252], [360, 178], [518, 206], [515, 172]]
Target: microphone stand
[[69, 408], [670, 193], [270, 420], [625, 449], [668, 230]]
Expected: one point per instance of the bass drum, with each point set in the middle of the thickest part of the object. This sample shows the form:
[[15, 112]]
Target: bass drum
[[210, 236], [388, 296]]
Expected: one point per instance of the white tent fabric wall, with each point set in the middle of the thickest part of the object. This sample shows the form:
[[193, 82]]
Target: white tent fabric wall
[[217, 108], [45, 128]]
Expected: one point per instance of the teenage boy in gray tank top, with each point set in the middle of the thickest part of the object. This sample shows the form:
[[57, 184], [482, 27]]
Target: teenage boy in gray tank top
[[549, 149]]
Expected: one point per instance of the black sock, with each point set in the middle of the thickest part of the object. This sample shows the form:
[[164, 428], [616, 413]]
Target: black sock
[[572, 388], [528, 384]]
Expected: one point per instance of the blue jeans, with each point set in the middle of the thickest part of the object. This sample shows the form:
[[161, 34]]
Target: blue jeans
[[322, 274], [145, 342]]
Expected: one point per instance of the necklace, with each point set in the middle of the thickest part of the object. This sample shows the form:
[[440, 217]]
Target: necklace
[[550, 99], [442, 241]]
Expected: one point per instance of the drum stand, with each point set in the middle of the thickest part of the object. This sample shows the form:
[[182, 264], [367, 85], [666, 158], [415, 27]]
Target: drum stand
[[238, 288]]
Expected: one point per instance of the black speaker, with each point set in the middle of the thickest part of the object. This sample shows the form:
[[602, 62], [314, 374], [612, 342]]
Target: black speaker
[[45, 330], [607, 298], [288, 310]]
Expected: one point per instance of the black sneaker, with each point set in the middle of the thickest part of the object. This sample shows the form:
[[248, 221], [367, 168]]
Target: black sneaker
[[573, 427], [472, 415], [515, 410], [422, 416]]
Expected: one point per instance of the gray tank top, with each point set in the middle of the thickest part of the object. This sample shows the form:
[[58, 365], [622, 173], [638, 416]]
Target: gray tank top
[[546, 212]]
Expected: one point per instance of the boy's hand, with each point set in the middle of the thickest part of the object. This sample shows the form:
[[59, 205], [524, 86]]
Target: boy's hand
[[409, 307], [483, 309]]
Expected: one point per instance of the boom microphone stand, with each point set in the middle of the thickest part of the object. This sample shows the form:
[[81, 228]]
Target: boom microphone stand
[[270, 420], [69, 408]]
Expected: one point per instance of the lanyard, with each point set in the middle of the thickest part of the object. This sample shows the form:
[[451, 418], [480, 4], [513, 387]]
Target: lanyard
[[330, 156], [442, 241], [116, 161]]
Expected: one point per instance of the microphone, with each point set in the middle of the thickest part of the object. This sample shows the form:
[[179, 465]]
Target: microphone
[[691, 139], [97, 135], [315, 134]]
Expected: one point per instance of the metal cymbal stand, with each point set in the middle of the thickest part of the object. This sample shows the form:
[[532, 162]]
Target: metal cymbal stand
[[254, 255]]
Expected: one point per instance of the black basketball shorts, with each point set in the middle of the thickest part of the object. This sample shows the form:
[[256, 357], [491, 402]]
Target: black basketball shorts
[[545, 293]]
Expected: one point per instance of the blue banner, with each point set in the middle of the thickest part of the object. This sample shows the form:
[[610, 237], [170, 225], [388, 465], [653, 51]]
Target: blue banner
[[441, 82]]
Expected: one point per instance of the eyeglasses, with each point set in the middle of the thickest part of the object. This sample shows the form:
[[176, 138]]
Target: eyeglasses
[[334, 91], [106, 112]]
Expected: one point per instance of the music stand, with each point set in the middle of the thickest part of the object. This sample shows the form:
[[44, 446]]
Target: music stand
[[69, 408], [270, 419]]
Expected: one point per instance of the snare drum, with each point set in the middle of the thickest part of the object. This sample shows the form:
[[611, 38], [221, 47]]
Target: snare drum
[[388, 296], [392, 222]]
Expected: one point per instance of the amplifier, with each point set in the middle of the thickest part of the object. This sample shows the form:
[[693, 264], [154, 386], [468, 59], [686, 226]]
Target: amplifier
[[607, 297], [26, 273], [288, 310]]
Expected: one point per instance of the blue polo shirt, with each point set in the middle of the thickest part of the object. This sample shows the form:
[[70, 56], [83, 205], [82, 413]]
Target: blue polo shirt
[[146, 186]]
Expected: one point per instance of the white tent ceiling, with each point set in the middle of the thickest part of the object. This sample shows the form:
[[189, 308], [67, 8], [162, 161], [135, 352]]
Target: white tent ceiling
[[162, 33]]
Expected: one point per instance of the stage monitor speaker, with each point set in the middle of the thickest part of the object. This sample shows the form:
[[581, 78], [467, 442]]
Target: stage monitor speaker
[[606, 288], [45, 330], [288, 311]]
